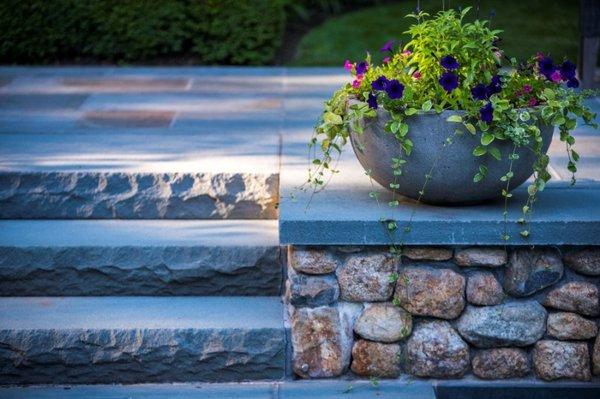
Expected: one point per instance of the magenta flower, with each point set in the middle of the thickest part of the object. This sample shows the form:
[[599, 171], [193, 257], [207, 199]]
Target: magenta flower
[[532, 102], [348, 65], [372, 101], [556, 76], [416, 75], [527, 88], [356, 83], [386, 60], [388, 46], [406, 53]]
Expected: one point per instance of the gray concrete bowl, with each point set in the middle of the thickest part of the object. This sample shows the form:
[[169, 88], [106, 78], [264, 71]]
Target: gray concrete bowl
[[452, 179]]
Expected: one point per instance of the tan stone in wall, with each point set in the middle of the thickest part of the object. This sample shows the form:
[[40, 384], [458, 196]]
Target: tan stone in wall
[[566, 326], [596, 356], [365, 277], [501, 363], [384, 322], [578, 296], [312, 260], [427, 253], [553, 360], [484, 257], [585, 261], [484, 289], [376, 359]]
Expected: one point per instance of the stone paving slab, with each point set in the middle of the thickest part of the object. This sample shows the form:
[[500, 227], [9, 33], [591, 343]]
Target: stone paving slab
[[120, 257], [140, 339]]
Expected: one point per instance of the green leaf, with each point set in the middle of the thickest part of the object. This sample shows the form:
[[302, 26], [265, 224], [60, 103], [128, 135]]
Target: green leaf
[[495, 152], [479, 151], [426, 105], [487, 138], [411, 111], [454, 118], [332, 118], [549, 94], [470, 128], [477, 178]]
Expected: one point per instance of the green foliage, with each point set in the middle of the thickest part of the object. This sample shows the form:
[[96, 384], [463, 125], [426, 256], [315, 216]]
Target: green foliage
[[209, 31]]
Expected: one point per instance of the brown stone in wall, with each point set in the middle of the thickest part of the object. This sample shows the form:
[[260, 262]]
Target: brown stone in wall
[[553, 360], [584, 261], [565, 325], [427, 291], [435, 350], [501, 363], [365, 277], [312, 260], [384, 322], [375, 359], [484, 257], [484, 289], [427, 253], [317, 340], [580, 297]]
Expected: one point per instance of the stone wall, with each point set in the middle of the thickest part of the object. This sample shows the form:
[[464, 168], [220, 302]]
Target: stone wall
[[445, 312]]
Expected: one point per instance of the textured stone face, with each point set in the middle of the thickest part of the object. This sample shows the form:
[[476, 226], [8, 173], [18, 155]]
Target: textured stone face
[[384, 322], [510, 324], [436, 350], [531, 270], [596, 356], [108, 195], [310, 290], [579, 297], [374, 359], [427, 253], [584, 261], [365, 277], [556, 359], [564, 325], [426, 291], [317, 339], [501, 363], [140, 355], [312, 260], [486, 257], [484, 289], [127, 270]]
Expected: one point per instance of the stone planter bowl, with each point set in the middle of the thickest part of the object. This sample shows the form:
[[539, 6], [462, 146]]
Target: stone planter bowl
[[452, 178]]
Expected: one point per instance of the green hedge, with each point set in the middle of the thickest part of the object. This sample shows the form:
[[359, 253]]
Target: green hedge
[[206, 31]]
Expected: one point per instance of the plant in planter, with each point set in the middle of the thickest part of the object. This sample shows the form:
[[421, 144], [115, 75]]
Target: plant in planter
[[439, 120]]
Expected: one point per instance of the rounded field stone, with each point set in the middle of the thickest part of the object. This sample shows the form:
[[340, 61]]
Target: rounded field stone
[[318, 343], [565, 325], [311, 290], [484, 257], [484, 289], [427, 291], [531, 270], [384, 323], [578, 296], [596, 356], [585, 261], [375, 359], [312, 260], [435, 350], [427, 253], [509, 324], [553, 360], [501, 363], [365, 277]]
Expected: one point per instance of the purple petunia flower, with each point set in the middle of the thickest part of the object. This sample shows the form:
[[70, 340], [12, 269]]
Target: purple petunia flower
[[394, 89], [546, 66], [380, 83], [449, 63], [567, 70], [479, 92], [573, 83], [362, 67], [449, 81], [372, 101], [388, 46], [495, 86], [486, 113]]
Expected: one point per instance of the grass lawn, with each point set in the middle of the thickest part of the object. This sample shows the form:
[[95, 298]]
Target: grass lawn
[[529, 26]]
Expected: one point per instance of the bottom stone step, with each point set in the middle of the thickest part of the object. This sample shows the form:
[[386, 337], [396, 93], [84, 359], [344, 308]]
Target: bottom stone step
[[80, 340]]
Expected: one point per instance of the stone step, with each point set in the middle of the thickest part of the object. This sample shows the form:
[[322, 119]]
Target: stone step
[[137, 195], [75, 340], [139, 257]]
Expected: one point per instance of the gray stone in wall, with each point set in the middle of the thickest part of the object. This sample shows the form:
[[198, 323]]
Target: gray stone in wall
[[553, 360], [131, 195], [501, 363], [509, 324], [132, 270], [312, 260], [531, 270], [383, 322], [311, 290], [584, 261], [365, 277]]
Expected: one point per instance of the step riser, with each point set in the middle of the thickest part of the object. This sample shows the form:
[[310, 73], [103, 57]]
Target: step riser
[[138, 356], [81, 271], [99, 195]]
